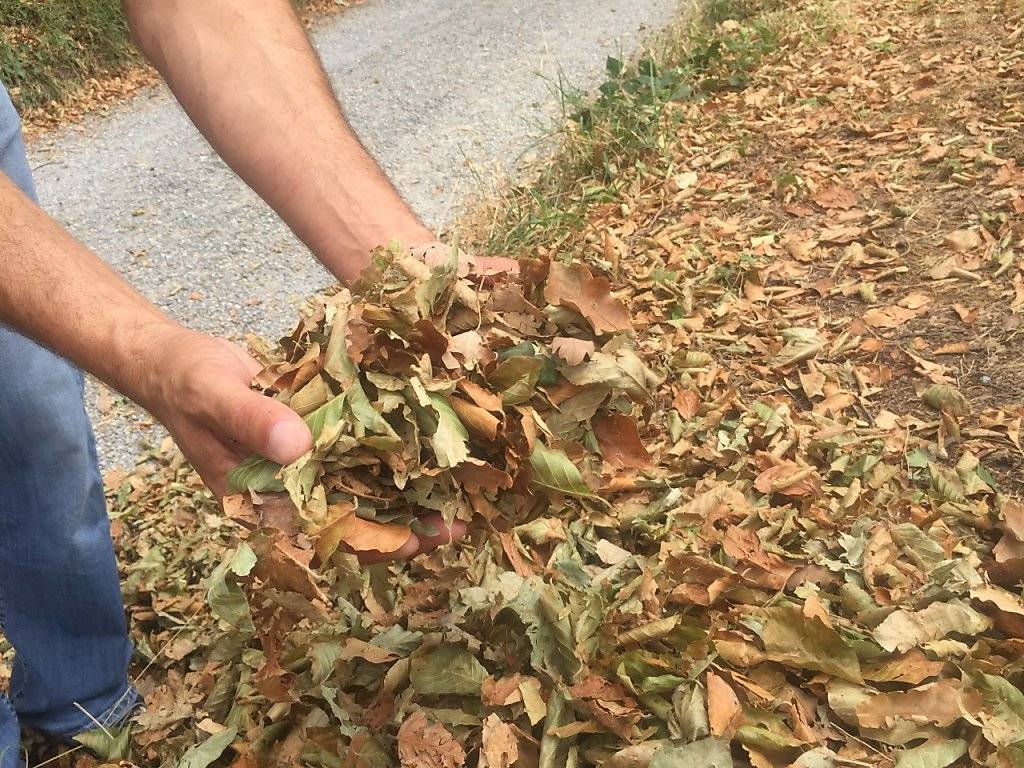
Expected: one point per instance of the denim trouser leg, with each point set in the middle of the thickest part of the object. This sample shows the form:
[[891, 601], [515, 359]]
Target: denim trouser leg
[[60, 600]]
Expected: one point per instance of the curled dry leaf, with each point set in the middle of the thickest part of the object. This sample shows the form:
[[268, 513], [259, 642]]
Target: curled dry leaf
[[422, 744], [574, 286], [359, 535], [620, 442]]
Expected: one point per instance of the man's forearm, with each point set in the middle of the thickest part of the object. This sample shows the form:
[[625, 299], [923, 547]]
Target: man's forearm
[[55, 290], [249, 79]]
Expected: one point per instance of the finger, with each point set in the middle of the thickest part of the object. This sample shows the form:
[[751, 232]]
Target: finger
[[259, 424], [248, 363], [411, 548], [209, 455], [443, 533]]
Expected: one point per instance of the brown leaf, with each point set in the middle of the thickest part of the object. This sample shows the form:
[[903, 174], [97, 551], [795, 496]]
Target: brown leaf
[[937, 703], [835, 197], [607, 703], [481, 423], [574, 286], [933, 153], [360, 649], [359, 535], [686, 402], [573, 351], [888, 317], [503, 691], [754, 564], [470, 348], [912, 667], [1013, 518], [967, 315], [963, 240], [428, 745], [787, 478], [477, 475], [274, 682], [620, 443], [725, 714], [284, 565], [500, 748], [840, 234], [486, 399]]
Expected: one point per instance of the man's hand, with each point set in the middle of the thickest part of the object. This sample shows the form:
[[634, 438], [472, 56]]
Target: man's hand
[[200, 391], [199, 388]]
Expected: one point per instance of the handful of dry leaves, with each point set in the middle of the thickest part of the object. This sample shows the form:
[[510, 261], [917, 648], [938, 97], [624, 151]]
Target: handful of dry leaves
[[473, 396]]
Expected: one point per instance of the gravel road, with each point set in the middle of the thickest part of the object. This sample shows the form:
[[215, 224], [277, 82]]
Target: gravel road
[[443, 92]]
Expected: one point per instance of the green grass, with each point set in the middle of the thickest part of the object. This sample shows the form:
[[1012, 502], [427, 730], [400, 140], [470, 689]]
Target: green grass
[[49, 47], [630, 123]]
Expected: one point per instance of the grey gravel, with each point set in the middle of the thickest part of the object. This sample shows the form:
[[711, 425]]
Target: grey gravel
[[443, 92]]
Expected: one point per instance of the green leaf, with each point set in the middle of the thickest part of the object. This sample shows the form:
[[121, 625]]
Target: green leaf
[[552, 748], [327, 415], [691, 713], [1002, 721], [925, 549], [337, 363], [903, 630], [623, 370], [299, 479], [553, 471], [434, 295], [255, 474], [932, 754], [368, 753], [548, 629], [201, 755], [226, 599], [322, 656], [516, 378], [707, 753], [450, 439], [446, 669], [578, 409], [941, 397], [110, 744], [368, 420]]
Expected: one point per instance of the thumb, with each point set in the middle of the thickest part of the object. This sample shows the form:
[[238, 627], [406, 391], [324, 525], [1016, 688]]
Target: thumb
[[258, 423]]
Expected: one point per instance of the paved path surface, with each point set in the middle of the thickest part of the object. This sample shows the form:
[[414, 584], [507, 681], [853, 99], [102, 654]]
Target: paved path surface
[[440, 91]]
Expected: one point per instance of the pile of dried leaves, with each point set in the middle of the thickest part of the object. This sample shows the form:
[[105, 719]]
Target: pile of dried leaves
[[733, 504]]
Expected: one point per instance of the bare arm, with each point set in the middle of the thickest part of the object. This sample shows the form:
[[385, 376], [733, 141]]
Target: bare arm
[[55, 290], [249, 79]]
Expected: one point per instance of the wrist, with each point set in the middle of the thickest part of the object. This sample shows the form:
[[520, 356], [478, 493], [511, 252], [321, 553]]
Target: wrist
[[349, 236], [138, 356]]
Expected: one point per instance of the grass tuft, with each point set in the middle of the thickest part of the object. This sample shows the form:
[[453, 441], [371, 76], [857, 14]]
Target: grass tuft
[[631, 119], [49, 47]]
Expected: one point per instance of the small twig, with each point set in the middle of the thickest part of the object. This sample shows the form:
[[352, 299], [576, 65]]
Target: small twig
[[95, 722]]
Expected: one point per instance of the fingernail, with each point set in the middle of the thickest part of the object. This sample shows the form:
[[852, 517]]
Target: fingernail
[[287, 441]]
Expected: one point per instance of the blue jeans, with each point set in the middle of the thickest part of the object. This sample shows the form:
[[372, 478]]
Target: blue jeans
[[60, 601]]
